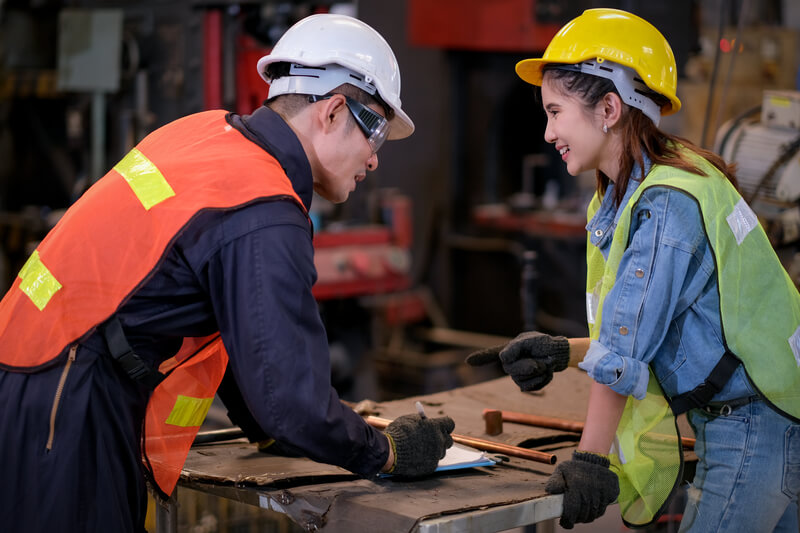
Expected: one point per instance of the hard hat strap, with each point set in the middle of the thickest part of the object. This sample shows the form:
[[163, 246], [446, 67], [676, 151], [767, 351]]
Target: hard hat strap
[[631, 88], [318, 81]]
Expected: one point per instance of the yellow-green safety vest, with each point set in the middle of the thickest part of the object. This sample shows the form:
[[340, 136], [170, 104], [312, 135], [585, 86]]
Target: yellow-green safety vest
[[760, 317]]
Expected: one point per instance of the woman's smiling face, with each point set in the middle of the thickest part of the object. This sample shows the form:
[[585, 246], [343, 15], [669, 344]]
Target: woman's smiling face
[[575, 130]]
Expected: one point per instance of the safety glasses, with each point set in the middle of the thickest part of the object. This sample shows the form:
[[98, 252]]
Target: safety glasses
[[374, 126]]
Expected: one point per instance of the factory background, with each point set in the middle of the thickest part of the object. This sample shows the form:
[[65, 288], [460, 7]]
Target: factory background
[[470, 231]]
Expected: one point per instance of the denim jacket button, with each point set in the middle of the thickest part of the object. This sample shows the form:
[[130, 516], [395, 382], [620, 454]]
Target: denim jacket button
[[623, 330], [639, 273], [598, 233]]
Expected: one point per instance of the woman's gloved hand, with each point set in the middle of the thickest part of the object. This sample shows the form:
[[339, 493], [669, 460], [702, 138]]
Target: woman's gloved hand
[[530, 359], [588, 486], [418, 443]]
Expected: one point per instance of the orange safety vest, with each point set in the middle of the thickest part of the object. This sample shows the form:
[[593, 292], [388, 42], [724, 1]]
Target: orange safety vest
[[110, 241]]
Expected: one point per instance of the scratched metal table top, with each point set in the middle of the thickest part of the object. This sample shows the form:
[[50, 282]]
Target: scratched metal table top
[[327, 498]]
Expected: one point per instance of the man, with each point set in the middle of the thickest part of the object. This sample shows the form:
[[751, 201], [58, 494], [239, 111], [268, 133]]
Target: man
[[189, 261]]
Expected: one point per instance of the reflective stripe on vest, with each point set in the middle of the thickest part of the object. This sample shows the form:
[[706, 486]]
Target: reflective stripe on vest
[[177, 409], [767, 302], [37, 282], [144, 178], [109, 242]]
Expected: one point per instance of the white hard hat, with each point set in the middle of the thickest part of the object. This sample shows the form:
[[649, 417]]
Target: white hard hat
[[328, 42]]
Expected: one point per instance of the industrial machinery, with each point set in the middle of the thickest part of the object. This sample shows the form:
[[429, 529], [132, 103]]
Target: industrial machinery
[[764, 142]]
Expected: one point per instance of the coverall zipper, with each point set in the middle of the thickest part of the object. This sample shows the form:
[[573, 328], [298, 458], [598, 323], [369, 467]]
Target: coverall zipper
[[57, 398]]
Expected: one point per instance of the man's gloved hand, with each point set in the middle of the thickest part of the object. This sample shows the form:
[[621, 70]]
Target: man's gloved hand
[[530, 359], [419, 443], [588, 485]]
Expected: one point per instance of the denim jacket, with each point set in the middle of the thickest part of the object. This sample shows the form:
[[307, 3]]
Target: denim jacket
[[673, 319]]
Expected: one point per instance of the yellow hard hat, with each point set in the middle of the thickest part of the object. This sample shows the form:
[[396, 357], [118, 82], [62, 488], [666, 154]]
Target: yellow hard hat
[[614, 35]]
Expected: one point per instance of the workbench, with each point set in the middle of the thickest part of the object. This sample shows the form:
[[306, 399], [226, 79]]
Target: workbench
[[326, 498]]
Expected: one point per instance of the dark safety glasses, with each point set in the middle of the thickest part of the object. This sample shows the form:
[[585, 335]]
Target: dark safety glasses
[[374, 126]]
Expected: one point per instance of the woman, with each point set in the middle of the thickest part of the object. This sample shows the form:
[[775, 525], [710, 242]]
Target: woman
[[682, 285]]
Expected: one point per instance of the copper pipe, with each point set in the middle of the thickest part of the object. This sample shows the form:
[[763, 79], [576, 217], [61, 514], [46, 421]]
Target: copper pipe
[[481, 444], [560, 423], [541, 421]]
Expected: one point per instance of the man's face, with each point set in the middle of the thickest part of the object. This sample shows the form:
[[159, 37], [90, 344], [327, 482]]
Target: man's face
[[343, 156]]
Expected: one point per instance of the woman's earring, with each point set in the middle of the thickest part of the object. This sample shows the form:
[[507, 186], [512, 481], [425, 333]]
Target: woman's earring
[[605, 128]]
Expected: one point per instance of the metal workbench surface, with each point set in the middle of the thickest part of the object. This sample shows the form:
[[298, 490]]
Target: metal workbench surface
[[326, 498]]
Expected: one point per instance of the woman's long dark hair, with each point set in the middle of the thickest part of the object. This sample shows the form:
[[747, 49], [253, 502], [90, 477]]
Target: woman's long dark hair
[[640, 136]]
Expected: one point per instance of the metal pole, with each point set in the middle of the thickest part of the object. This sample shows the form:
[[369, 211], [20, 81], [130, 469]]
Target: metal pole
[[167, 514], [98, 135], [528, 290]]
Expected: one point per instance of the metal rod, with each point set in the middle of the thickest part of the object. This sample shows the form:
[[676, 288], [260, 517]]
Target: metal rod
[[98, 135], [167, 514], [481, 444], [560, 423], [218, 435]]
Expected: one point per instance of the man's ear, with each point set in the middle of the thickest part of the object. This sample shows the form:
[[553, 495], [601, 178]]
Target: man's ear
[[611, 109], [330, 113]]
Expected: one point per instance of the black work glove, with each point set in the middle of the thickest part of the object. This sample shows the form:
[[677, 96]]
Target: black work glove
[[419, 443], [530, 359], [588, 485]]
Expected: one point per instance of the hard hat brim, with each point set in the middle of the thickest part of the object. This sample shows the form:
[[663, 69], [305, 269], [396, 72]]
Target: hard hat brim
[[530, 70]]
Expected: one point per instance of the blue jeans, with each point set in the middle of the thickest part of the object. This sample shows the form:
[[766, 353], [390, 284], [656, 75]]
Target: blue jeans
[[748, 474]]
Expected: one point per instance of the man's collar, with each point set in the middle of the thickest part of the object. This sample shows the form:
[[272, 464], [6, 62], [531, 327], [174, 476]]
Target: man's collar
[[267, 128]]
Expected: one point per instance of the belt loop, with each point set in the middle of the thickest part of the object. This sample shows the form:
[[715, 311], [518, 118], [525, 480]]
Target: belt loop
[[726, 408]]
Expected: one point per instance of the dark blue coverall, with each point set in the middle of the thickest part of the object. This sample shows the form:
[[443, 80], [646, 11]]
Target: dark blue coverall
[[247, 273]]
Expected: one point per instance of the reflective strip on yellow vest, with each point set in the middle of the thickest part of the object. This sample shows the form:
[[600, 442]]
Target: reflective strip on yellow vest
[[748, 272]]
